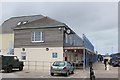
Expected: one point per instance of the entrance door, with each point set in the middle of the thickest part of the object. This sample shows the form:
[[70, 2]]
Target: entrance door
[[65, 58]]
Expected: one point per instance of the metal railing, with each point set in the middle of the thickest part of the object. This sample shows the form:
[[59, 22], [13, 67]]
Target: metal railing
[[43, 65], [37, 65]]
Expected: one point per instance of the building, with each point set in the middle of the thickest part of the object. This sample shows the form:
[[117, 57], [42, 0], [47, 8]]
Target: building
[[7, 34], [45, 39]]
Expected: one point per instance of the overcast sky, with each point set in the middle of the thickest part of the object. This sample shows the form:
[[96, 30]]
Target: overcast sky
[[97, 20]]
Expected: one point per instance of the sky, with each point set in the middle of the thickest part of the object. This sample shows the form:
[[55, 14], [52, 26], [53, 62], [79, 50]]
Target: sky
[[97, 20]]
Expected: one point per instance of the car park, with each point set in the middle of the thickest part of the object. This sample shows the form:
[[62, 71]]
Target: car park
[[62, 67]]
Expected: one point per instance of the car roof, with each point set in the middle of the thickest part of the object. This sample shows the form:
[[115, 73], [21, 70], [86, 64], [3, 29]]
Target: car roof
[[60, 61], [6, 55]]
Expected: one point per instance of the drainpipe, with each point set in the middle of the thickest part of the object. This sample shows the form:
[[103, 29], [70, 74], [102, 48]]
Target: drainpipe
[[84, 59]]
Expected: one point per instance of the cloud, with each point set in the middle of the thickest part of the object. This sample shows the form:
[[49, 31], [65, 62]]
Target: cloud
[[97, 20]]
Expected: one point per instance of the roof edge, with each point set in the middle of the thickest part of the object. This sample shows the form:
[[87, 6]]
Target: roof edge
[[19, 17], [39, 27]]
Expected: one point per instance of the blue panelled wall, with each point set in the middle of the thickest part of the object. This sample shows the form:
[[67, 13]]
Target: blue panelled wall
[[90, 55]]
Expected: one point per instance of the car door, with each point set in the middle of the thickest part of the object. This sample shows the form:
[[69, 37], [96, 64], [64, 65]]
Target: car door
[[70, 67], [16, 62]]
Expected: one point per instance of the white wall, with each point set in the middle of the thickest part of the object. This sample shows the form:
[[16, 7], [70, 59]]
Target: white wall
[[1, 43], [40, 54]]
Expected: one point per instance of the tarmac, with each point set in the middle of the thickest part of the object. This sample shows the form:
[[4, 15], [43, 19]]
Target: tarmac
[[98, 68], [100, 71]]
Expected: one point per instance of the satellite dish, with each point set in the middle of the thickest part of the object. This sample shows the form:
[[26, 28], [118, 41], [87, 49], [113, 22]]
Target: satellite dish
[[68, 31]]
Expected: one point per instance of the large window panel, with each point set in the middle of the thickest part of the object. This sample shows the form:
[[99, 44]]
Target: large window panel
[[37, 36]]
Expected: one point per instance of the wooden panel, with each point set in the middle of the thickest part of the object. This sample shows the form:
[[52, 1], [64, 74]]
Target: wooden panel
[[52, 38]]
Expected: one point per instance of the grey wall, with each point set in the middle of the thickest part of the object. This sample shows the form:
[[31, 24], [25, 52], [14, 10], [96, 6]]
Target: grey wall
[[53, 38], [72, 40], [12, 22]]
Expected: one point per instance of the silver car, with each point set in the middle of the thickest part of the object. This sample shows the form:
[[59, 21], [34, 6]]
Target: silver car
[[62, 67]]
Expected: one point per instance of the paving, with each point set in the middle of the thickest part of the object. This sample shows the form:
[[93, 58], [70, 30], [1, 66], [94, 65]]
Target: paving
[[100, 71], [79, 73]]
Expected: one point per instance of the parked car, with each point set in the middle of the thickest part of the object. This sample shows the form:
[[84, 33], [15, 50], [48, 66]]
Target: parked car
[[9, 62], [78, 64], [62, 67], [116, 63]]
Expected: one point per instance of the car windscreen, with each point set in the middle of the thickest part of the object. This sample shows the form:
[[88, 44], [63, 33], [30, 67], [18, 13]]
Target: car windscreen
[[59, 63]]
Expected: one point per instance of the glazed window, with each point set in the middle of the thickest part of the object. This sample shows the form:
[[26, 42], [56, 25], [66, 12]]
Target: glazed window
[[66, 38], [54, 55], [23, 55], [19, 23], [24, 22], [37, 36]]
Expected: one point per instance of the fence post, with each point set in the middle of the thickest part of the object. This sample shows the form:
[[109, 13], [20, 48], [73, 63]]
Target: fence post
[[50, 65], [35, 65], [28, 65], [43, 66]]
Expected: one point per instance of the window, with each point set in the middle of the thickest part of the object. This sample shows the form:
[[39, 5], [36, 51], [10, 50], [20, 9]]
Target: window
[[71, 40], [66, 38], [37, 36], [24, 22], [59, 63], [23, 55], [74, 42], [19, 23], [68, 64], [54, 55]]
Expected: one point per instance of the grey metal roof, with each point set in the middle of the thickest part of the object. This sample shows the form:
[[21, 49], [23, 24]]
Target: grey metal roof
[[41, 23], [8, 25]]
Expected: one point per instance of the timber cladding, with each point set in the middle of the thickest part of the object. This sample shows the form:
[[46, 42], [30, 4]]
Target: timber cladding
[[53, 37]]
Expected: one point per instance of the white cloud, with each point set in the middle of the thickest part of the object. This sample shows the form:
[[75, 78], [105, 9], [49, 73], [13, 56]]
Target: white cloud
[[97, 20], [59, 0]]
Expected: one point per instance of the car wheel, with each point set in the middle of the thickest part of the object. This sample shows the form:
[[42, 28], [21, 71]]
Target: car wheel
[[20, 68], [72, 72], [119, 65], [9, 69], [6, 70], [52, 74], [67, 73]]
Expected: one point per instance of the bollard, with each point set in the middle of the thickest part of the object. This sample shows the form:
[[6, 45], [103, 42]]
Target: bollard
[[92, 76]]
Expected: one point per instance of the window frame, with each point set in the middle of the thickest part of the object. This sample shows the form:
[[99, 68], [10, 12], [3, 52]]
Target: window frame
[[19, 23], [41, 36], [54, 55], [23, 56]]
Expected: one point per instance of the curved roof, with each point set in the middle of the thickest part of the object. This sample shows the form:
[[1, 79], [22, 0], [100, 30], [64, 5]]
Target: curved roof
[[12, 22], [41, 23]]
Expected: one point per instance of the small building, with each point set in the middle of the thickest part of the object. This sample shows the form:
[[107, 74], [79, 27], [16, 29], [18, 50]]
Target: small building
[[46, 39], [40, 38], [7, 34]]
